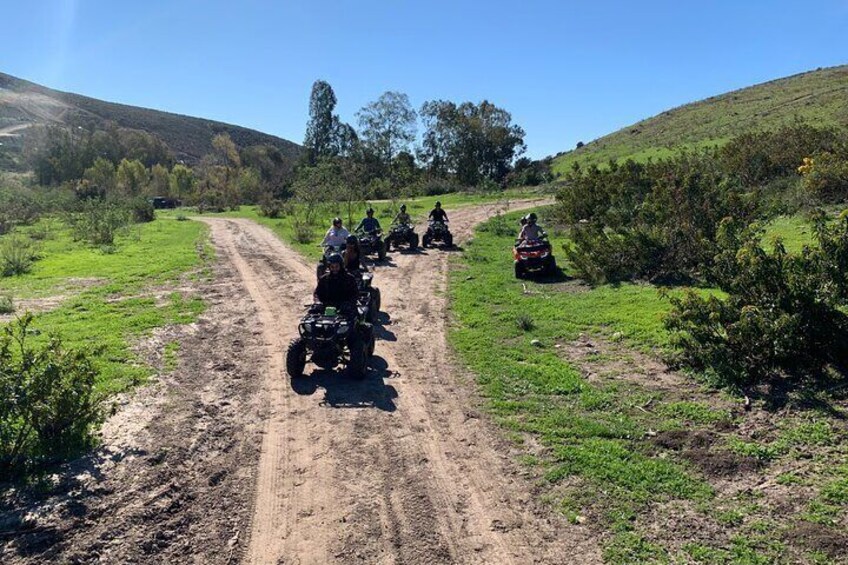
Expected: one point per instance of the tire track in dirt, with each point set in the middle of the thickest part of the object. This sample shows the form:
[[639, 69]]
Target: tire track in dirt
[[398, 468]]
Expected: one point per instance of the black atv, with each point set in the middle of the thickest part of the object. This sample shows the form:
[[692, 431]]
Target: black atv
[[400, 234], [372, 242], [534, 256], [328, 339], [437, 231], [369, 295], [328, 250]]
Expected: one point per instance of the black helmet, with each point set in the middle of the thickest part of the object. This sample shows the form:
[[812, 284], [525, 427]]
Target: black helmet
[[438, 204], [351, 239], [370, 211], [403, 207], [335, 258], [531, 217], [337, 221]]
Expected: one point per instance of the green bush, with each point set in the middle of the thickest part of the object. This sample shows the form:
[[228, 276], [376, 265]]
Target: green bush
[[140, 210], [304, 231], [7, 305], [49, 409], [17, 254], [98, 221], [826, 177], [783, 314], [271, 207]]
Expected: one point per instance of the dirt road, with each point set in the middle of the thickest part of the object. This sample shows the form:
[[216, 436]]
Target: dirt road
[[400, 468], [225, 461]]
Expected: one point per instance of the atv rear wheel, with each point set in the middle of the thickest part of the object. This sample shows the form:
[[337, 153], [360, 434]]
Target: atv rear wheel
[[381, 251], [374, 306], [296, 358], [367, 333], [426, 241]]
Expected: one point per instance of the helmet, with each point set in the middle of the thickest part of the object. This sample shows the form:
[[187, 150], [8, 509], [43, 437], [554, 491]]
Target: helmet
[[335, 258], [370, 211], [337, 221], [438, 204], [531, 218], [523, 220], [403, 207], [352, 239]]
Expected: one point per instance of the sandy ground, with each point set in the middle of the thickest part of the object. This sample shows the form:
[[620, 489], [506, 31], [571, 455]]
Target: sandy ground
[[226, 460]]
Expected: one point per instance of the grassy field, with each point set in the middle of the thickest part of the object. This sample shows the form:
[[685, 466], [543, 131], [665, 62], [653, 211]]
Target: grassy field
[[107, 300], [661, 465], [818, 97]]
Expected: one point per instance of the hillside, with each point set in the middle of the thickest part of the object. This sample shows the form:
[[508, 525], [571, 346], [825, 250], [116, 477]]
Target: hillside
[[24, 104], [818, 97]]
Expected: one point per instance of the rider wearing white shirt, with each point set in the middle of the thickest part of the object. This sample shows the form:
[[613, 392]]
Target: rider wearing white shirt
[[336, 235]]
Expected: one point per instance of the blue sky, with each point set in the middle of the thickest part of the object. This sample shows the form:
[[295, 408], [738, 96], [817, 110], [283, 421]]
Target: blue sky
[[567, 71]]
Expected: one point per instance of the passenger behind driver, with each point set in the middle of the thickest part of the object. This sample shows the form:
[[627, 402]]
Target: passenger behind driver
[[530, 230]]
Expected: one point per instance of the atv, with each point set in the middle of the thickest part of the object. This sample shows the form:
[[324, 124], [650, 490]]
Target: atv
[[328, 250], [328, 339], [369, 295], [437, 231], [372, 242], [533, 256], [400, 234]]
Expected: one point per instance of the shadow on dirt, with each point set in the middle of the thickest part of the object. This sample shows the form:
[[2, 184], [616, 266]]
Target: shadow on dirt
[[341, 391], [380, 331]]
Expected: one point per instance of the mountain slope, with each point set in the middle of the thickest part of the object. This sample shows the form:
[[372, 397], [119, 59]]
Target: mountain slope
[[24, 104], [817, 97]]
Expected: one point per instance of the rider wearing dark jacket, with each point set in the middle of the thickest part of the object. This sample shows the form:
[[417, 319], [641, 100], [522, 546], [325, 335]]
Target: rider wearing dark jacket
[[437, 214], [337, 287], [352, 255], [369, 224]]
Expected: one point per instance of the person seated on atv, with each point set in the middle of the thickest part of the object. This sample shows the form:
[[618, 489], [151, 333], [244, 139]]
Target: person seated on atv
[[337, 287], [336, 235], [437, 214], [402, 217], [352, 255], [369, 223], [531, 230]]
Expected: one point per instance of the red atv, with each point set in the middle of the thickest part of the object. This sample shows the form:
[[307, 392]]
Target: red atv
[[534, 257]]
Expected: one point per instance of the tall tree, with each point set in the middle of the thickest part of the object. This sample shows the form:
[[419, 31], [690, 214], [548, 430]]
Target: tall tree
[[322, 123], [388, 125]]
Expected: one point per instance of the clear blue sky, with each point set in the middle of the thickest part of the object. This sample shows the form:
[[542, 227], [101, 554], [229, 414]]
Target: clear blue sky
[[567, 71]]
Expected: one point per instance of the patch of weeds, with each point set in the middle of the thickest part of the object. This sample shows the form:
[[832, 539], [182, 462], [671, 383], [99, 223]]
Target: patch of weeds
[[630, 547], [763, 452], [525, 322], [788, 479], [694, 412]]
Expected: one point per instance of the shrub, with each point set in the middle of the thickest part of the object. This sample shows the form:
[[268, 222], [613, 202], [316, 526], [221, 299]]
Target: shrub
[[271, 207], [783, 314], [826, 177], [525, 322], [49, 407], [17, 254], [97, 222], [141, 210], [304, 231], [7, 305]]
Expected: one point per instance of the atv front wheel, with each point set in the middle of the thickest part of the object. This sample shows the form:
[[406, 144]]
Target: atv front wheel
[[413, 242], [296, 358], [449, 240], [551, 267], [426, 241], [520, 273], [358, 360], [381, 251]]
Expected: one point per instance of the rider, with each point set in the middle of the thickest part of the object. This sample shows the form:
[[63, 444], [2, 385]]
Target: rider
[[402, 217], [336, 235], [337, 287], [369, 224], [351, 255], [437, 214], [530, 230]]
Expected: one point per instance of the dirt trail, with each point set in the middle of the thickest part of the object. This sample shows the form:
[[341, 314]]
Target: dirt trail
[[399, 468]]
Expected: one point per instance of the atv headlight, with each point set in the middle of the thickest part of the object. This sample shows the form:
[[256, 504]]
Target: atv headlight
[[342, 329], [305, 328]]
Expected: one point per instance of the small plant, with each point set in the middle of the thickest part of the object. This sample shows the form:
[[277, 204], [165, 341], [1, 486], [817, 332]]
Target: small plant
[[17, 254], [7, 305], [50, 408], [181, 218], [271, 207], [98, 222], [525, 322], [303, 230]]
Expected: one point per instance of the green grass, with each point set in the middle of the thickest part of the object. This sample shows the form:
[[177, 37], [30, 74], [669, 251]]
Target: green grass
[[816, 97], [117, 303], [599, 459]]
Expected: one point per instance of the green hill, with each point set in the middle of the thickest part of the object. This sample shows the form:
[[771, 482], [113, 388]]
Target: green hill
[[818, 97], [24, 104]]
